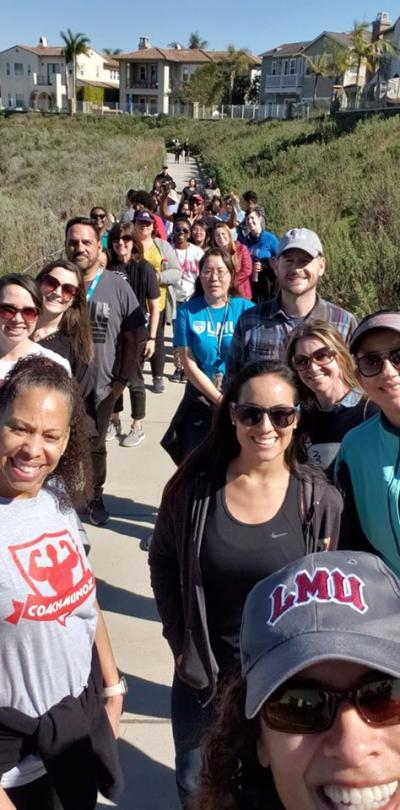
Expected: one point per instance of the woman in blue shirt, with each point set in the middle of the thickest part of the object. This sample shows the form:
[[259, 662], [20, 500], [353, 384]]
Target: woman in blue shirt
[[204, 329]]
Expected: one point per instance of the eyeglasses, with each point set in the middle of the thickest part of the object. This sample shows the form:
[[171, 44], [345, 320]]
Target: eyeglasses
[[372, 363], [125, 239], [219, 273], [181, 230], [9, 311], [280, 416], [49, 284], [312, 709], [99, 216], [321, 357]]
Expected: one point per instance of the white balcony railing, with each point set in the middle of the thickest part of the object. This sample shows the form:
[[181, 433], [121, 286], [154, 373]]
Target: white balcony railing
[[285, 82]]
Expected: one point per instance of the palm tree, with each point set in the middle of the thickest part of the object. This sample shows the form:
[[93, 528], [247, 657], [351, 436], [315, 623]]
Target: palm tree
[[75, 44], [321, 66], [382, 49], [361, 46], [112, 51], [236, 63], [174, 44], [195, 41]]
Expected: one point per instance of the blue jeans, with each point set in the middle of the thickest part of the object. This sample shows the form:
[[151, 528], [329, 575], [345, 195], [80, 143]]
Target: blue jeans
[[189, 720]]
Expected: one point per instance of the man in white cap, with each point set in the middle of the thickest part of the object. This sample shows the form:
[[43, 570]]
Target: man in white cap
[[262, 333]]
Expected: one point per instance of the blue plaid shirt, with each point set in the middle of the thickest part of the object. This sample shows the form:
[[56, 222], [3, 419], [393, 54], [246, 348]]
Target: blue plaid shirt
[[262, 333]]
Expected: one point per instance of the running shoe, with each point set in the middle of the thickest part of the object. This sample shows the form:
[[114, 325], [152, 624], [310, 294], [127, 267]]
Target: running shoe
[[97, 512], [133, 438], [158, 385]]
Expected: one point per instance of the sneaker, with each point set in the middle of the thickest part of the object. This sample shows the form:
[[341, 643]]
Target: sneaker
[[145, 544], [134, 437], [183, 377], [113, 430], [97, 513], [176, 376], [158, 385]]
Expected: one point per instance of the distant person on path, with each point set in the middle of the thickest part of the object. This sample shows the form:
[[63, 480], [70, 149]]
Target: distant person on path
[[190, 189], [162, 177], [186, 151], [237, 509], [163, 258], [263, 333], [118, 328], [178, 151]]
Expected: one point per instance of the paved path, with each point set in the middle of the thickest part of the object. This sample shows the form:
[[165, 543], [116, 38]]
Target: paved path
[[135, 480]]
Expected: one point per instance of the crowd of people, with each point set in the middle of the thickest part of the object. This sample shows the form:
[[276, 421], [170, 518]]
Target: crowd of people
[[275, 555]]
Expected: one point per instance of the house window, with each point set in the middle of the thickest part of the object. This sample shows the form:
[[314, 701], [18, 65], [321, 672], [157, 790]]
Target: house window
[[142, 73], [18, 69], [97, 72], [185, 76], [274, 68], [293, 67], [81, 69], [8, 68], [9, 100], [285, 67], [19, 100], [29, 70]]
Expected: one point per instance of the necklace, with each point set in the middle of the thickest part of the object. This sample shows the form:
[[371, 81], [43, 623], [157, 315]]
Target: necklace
[[219, 335]]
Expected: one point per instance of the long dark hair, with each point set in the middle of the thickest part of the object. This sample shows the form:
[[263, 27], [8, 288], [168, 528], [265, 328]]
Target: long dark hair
[[228, 262], [75, 322], [221, 445], [72, 478], [26, 283], [122, 229]]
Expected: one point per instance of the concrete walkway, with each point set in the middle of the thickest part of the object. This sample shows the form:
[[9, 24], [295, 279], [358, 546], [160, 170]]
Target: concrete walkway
[[135, 480]]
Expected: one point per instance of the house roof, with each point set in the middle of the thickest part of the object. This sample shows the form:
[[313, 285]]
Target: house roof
[[288, 49], [50, 50], [93, 83], [189, 55], [342, 38]]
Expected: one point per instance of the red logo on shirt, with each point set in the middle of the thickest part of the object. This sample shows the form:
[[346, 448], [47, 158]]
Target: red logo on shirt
[[57, 574]]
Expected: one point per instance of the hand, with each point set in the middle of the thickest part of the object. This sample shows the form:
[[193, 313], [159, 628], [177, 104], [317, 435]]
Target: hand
[[5, 802], [149, 349], [117, 388], [113, 707]]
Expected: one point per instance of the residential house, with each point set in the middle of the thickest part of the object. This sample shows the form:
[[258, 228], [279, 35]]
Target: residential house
[[384, 86], [149, 75], [329, 44], [282, 75], [35, 76]]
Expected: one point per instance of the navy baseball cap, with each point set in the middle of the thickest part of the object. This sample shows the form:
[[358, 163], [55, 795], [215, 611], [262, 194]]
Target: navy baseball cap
[[339, 605], [143, 216], [384, 319]]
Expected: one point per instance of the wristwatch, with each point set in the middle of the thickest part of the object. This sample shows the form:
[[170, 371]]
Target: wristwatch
[[120, 688]]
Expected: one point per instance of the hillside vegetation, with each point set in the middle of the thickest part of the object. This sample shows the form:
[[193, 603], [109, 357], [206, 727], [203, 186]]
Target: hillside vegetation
[[346, 187]]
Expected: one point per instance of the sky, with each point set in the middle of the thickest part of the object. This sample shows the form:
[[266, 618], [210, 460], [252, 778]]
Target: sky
[[254, 24]]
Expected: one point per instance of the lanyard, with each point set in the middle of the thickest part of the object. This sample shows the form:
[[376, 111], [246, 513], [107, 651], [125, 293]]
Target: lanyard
[[221, 331], [93, 285]]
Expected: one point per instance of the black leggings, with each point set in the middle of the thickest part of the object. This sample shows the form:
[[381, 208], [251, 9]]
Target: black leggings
[[37, 795], [157, 361]]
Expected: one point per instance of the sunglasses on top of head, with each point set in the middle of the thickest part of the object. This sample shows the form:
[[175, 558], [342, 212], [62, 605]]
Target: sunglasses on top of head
[[372, 363], [309, 709], [9, 311], [321, 357], [280, 416], [50, 284]]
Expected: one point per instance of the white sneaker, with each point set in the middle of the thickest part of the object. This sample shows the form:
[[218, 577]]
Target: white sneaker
[[133, 438]]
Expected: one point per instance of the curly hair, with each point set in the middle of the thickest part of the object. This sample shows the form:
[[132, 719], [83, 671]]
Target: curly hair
[[75, 322], [72, 478]]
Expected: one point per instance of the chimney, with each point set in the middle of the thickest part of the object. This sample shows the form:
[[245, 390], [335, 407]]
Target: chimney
[[144, 43], [380, 25], [42, 42]]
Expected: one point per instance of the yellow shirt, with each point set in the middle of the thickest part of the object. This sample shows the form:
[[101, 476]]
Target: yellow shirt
[[154, 257]]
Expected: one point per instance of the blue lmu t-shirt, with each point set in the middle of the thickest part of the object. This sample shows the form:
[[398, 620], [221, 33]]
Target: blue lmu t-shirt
[[198, 327]]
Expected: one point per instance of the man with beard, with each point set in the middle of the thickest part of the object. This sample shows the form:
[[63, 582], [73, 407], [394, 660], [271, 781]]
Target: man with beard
[[118, 326], [262, 332]]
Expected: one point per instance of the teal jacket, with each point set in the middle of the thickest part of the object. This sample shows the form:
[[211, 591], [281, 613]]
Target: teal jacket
[[368, 475]]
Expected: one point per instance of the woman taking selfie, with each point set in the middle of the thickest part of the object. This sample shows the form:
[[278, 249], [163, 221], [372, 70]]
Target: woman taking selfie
[[55, 653], [237, 509]]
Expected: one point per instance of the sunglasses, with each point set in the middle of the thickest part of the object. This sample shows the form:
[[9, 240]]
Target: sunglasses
[[372, 363], [99, 216], [181, 230], [280, 416], [50, 284], [28, 314], [321, 357], [311, 709], [125, 239]]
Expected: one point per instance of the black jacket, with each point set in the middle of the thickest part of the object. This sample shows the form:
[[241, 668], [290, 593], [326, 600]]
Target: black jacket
[[176, 577]]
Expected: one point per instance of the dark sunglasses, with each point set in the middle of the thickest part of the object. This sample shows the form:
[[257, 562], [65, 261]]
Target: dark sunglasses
[[311, 709], [99, 216], [280, 416], [125, 239], [50, 284], [372, 363], [321, 357], [28, 314], [181, 230]]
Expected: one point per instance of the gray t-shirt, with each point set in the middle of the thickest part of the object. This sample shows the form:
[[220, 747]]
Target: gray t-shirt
[[113, 309], [47, 612]]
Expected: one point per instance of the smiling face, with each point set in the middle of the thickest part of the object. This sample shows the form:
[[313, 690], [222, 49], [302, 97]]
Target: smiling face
[[54, 301], [384, 389], [221, 238], [34, 432], [297, 272], [323, 380], [253, 222], [198, 234], [122, 246], [351, 766], [83, 247], [264, 442], [16, 329]]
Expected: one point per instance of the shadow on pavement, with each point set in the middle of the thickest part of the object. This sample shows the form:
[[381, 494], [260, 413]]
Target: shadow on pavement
[[149, 785], [129, 508], [147, 698], [119, 600]]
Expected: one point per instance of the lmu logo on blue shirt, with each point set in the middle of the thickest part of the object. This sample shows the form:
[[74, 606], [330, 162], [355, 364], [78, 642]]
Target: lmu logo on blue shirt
[[201, 326]]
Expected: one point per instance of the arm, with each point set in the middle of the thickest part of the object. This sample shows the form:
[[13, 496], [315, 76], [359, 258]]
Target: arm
[[5, 802], [165, 213], [172, 271], [112, 705], [236, 359], [351, 533], [197, 377], [154, 312]]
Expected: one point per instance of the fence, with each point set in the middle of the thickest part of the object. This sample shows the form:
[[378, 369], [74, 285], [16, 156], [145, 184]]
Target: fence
[[249, 112]]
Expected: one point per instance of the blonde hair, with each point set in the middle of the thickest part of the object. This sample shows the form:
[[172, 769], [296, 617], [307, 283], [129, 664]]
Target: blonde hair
[[330, 337], [231, 249]]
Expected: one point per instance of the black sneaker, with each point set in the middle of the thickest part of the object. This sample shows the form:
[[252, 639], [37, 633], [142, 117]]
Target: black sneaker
[[158, 385], [176, 376], [182, 377], [97, 513]]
